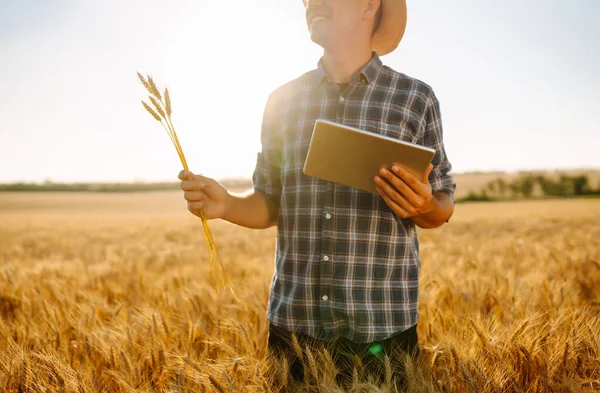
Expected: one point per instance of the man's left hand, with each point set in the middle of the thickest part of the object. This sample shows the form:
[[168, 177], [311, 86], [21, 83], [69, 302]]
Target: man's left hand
[[407, 195]]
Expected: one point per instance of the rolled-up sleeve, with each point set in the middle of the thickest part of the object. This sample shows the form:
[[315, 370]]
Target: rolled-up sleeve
[[267, 173], [440, 178]]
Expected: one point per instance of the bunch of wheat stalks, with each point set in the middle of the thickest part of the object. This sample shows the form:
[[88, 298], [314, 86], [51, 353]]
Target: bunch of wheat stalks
[[161, 112]]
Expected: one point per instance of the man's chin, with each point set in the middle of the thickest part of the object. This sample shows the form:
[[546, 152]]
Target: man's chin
[[318, 39]]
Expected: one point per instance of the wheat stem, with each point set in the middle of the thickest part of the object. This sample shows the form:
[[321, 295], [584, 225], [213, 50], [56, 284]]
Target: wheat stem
[[162, 113]]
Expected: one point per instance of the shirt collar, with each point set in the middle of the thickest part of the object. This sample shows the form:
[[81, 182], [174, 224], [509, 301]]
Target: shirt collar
[[368, 73]]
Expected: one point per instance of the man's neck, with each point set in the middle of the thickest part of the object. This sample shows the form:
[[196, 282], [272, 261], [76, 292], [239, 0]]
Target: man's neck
[[341, 65]]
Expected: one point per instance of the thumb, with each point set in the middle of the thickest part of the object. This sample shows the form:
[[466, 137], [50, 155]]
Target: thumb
[[426, 175], [206, 180], [185, 175]]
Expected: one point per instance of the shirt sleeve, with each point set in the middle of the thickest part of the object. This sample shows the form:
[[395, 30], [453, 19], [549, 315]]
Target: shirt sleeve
[[440, 178], [267, 173]]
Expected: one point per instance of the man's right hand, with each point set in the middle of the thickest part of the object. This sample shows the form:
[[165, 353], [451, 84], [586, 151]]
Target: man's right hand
[[203, 193]]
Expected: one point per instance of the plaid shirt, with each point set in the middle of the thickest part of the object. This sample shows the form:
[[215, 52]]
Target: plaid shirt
[[345, 264]]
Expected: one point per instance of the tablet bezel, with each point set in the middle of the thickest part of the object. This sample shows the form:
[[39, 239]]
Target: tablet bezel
[[360, 166]]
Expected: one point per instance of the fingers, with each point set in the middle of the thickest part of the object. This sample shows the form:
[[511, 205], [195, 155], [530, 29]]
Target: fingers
[[399, 186], [193, 182], [396, 208], [203, 179], [194, 196], [188, 175], [411, 180], [185, 175], [390, 193], [195, 207], [192, 185]]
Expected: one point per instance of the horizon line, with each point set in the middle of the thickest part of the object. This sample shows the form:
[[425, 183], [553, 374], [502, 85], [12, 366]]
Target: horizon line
[[246, 178]]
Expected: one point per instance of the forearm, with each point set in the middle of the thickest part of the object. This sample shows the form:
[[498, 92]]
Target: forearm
[[439, 215], [251, 209]]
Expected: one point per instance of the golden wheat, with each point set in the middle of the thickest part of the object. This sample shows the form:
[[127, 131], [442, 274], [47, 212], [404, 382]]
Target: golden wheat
[[109, 297], [161, 111]]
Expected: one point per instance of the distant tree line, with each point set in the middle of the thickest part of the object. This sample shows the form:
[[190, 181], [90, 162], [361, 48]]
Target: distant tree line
[[524, 186], [527, 186], [87, 187], [110, 187]]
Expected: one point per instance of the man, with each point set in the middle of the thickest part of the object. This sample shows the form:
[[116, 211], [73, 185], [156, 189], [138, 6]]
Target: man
[[347, 261]]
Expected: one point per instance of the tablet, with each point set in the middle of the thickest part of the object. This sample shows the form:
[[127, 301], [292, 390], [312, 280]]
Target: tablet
[[352, 157]]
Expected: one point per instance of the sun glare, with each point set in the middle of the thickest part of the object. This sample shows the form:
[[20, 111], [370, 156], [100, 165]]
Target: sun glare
[[220, 73]]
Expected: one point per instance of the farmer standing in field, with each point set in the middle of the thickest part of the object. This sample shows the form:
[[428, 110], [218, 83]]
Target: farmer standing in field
[[347, 261]]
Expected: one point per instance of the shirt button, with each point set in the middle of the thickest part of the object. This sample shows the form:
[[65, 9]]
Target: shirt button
[[325, 258], [328, 216], [325, 297], [342, 99]]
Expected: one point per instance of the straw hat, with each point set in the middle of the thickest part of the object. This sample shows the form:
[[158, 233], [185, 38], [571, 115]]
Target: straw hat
[[392, 27]]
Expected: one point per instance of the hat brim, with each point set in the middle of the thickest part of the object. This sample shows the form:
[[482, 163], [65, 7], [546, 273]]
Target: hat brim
[[393, 25]]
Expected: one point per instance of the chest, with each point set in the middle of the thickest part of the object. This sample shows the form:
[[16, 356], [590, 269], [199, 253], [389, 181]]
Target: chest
[[382, 111]]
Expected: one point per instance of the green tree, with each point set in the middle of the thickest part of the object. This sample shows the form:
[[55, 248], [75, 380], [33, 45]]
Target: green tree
[[549, 188], [565, 186], [527, 183], [515, 188], [580, 185], [502, 186]]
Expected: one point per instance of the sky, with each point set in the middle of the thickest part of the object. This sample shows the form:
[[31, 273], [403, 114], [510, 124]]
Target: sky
[[518, 83]]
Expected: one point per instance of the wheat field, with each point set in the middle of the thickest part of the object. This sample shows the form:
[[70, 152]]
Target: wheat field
[[112, 293]]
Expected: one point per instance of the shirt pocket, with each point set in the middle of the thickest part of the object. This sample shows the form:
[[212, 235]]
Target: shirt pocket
[[398, 128]]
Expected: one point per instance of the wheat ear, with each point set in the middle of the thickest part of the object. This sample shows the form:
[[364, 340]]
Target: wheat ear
[[161, 111]]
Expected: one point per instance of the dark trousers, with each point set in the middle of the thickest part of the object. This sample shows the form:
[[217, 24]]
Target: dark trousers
[[369, 360]]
